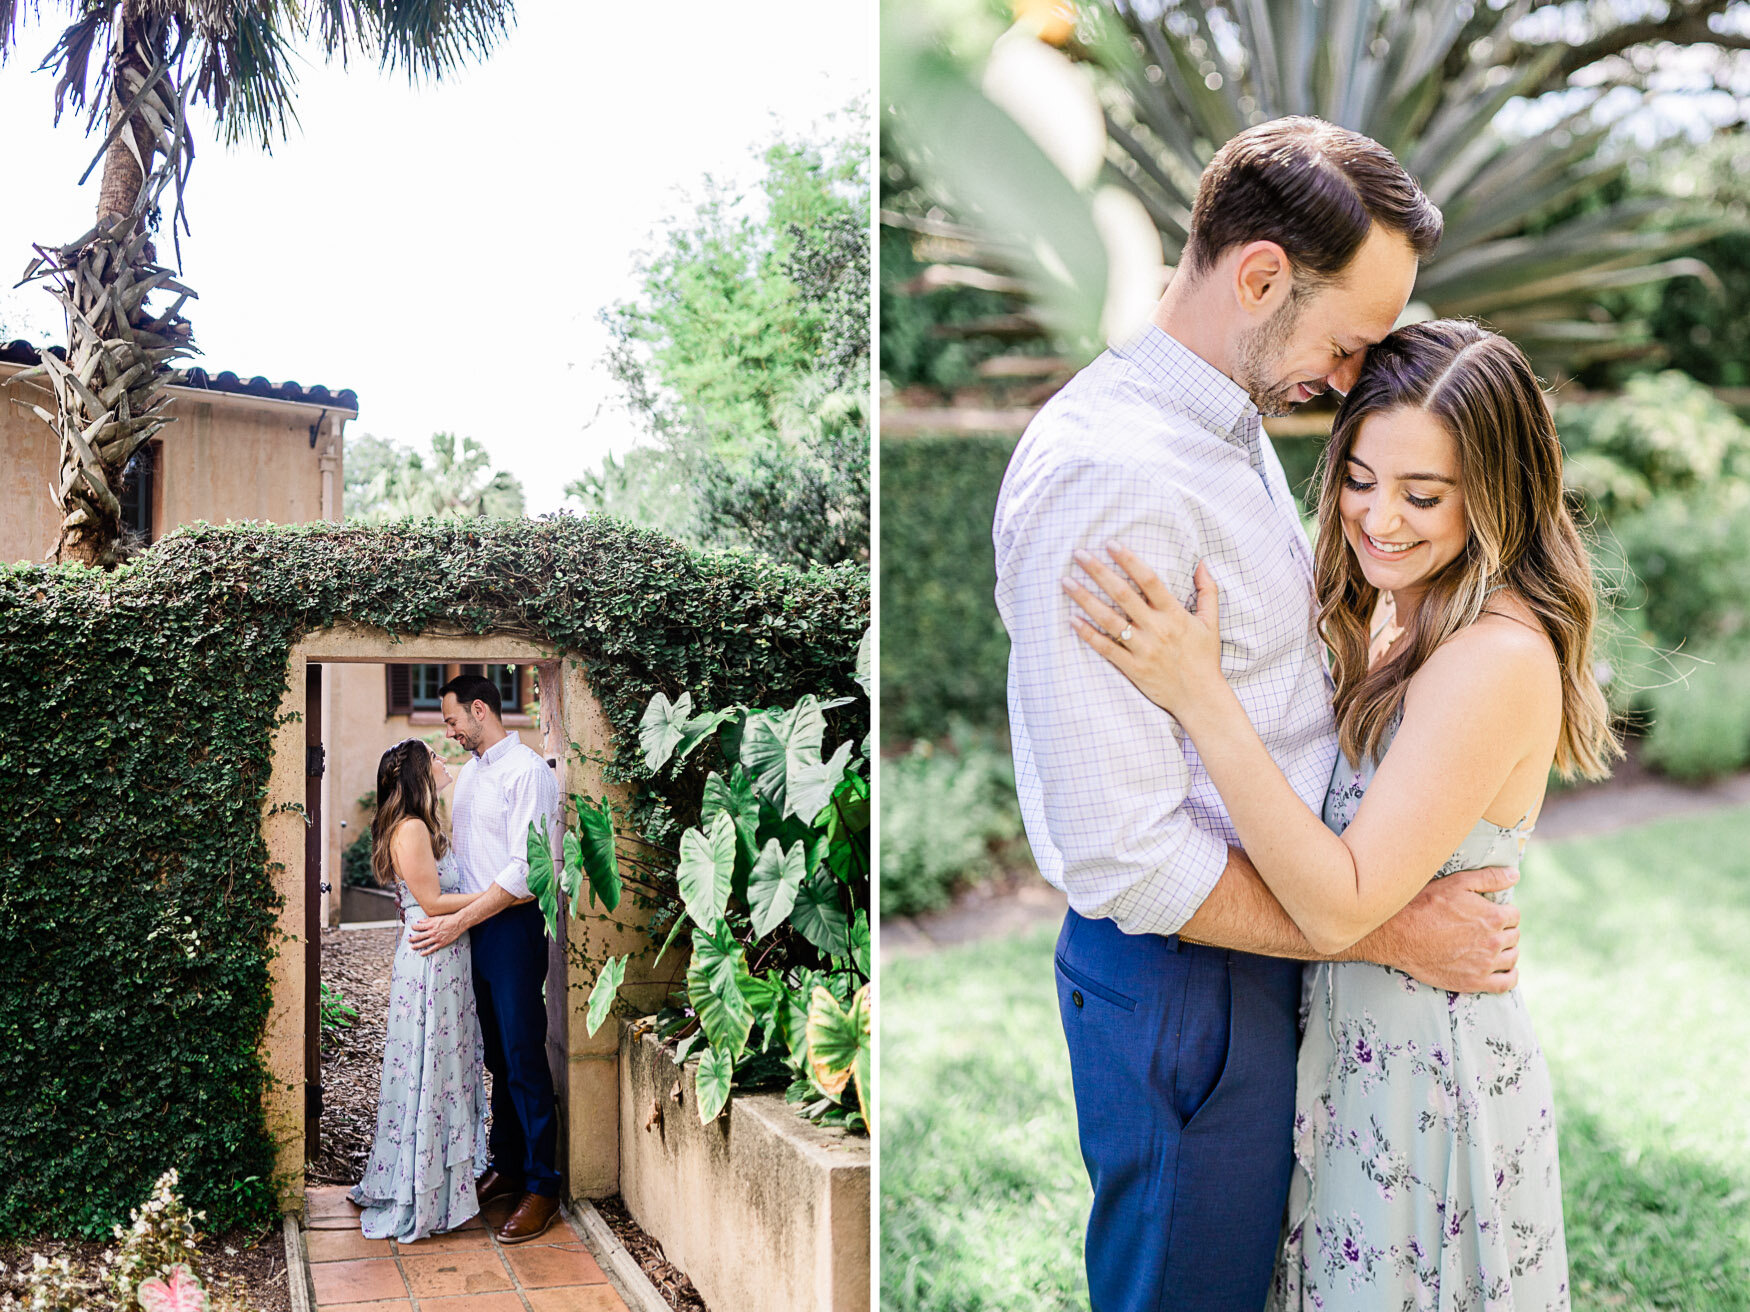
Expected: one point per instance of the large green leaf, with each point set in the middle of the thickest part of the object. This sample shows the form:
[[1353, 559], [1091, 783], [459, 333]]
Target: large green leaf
[[819, 917], [541, 880], [734, 797], [660, 729], [980, 161], [866, 661], [596, 851], [711, 1083], [860, 942], [771, 889], [670, 729], [601, 997], [781, 750], [571, 877], [847, 851], [706, 869], [715, 993], [839, 1045]]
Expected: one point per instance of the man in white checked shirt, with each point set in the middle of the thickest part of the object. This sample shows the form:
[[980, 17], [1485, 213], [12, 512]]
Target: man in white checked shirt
[[504, 789], [1178, 974]]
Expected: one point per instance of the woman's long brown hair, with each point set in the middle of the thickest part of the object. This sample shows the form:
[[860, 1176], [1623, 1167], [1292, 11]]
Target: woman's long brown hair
[[1521, 534], [405, 787]]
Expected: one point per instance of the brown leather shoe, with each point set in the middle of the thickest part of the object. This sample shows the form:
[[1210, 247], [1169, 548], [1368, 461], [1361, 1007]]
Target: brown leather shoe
[[493, 1185], [530, 1220]]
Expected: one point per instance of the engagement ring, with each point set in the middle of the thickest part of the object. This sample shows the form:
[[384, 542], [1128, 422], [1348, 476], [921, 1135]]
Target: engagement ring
[[1126, 634]]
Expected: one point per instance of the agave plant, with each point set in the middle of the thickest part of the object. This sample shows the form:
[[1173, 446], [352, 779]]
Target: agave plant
[[153, 58], [1429, 82]]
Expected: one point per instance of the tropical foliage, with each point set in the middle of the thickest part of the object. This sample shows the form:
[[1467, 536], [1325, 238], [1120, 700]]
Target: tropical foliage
[[773, 884], [1504, 113], [745, 354], [135, 68], [386, 481], [1429, 83]]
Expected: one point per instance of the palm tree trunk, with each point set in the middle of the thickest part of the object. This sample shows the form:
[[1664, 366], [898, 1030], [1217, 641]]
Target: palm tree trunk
[[109, 392]]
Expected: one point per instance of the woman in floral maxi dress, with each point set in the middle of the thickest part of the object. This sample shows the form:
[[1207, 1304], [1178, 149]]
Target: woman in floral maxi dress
[[1457, 601], [431, 1106]]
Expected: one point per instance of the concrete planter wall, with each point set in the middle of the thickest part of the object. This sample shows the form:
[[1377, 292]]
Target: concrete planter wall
[[765, 1212]]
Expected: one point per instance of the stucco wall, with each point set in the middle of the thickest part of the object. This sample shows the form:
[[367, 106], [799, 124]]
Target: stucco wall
[[227, 457], [763, 1211]]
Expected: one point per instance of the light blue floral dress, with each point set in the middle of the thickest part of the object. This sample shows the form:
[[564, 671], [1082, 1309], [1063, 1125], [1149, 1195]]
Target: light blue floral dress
[[1425, 1174], [431, 1105]]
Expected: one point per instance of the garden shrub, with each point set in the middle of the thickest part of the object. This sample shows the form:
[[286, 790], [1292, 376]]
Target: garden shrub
[[137, 906], [946, 814], [1665, 471], [1700, 723], [944, 653], [943, 649]]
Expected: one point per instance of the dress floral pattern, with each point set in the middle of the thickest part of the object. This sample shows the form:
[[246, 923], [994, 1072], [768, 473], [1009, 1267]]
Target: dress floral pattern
[[1425, 1174], [431, 1105]]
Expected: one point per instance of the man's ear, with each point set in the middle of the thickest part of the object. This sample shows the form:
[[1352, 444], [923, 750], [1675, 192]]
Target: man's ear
[[1262, 277]]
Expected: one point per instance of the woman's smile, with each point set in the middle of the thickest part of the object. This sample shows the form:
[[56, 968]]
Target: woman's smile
[[1386, 550]]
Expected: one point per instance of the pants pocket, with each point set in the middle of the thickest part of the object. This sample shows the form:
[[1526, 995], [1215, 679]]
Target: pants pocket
[[1080, 979], [1205, 1036]]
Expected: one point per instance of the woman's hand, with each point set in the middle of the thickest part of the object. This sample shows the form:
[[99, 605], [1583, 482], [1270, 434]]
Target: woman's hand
[[1171, 654]]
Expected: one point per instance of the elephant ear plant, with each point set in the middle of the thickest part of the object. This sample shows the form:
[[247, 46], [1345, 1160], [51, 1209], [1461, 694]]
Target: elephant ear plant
[[773, 883]]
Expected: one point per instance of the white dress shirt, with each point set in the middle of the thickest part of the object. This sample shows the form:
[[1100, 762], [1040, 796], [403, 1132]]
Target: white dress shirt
[[1155, 447], [499, 794]]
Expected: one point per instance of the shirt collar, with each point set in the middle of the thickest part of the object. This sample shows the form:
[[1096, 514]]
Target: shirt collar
[[1193, 385], [499, 750]]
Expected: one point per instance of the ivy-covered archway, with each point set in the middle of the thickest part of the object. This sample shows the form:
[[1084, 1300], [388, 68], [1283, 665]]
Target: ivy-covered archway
[[144, 910]]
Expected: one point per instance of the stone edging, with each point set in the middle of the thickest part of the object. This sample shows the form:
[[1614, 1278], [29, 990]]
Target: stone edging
[[640, 1294], [297, 1265]]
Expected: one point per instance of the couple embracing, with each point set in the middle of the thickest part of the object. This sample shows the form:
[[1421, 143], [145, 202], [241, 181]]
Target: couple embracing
[[1287, 788], [467, 986]]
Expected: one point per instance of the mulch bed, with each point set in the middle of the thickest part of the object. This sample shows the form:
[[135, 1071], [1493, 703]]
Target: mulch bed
[[670, 1281], [358, 963], [254, 1258]]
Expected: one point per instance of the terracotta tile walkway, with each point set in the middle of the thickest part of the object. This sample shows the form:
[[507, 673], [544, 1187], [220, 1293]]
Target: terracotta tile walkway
[[466, 1270]]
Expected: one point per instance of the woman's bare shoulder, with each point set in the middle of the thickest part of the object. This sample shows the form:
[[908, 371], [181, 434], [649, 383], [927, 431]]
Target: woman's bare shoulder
[[410, 829], [1504, 659]]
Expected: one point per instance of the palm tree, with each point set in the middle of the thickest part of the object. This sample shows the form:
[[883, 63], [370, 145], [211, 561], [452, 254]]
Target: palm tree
[[456, 481], [153, 59]]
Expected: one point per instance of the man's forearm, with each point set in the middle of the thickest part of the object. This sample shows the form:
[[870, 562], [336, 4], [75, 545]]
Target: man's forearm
[[484, 907], [1242, 914]]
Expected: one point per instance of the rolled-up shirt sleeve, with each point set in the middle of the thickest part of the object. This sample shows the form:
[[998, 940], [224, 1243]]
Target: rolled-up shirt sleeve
[[1110, 765], [531, 795]]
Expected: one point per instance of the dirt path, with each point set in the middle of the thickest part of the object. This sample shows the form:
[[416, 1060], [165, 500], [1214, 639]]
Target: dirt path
[[1019, 900]]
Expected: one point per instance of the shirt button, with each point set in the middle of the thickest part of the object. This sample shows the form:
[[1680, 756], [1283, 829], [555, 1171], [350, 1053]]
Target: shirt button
[[1076, 996]]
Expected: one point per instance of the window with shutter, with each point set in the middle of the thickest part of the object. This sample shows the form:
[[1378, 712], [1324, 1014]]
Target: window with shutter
[[400, 693]]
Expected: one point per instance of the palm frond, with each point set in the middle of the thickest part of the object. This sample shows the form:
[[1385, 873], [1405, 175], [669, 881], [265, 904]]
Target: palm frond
[[1409, 76]]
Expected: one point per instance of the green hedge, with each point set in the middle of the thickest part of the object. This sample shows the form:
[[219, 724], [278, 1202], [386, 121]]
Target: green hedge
[[136, 712], [943, 649], [944, 653]]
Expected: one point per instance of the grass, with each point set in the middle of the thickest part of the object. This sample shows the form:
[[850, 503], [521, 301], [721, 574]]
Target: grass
[[1635, 968]]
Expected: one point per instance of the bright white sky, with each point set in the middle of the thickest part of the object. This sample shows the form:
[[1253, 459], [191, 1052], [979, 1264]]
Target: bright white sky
[[445, 250]]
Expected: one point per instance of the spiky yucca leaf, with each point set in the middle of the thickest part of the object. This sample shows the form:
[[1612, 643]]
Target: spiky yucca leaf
[[1187, 77]]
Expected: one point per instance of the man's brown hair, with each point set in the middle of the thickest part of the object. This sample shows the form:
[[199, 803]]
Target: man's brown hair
[[1314, 189]]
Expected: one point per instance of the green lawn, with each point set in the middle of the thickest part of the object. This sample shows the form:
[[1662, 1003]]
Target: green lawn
[[1636, 968]]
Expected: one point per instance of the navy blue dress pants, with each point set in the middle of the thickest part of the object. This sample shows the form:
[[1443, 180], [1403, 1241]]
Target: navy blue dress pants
[[510, 971], [1183, 1059]]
